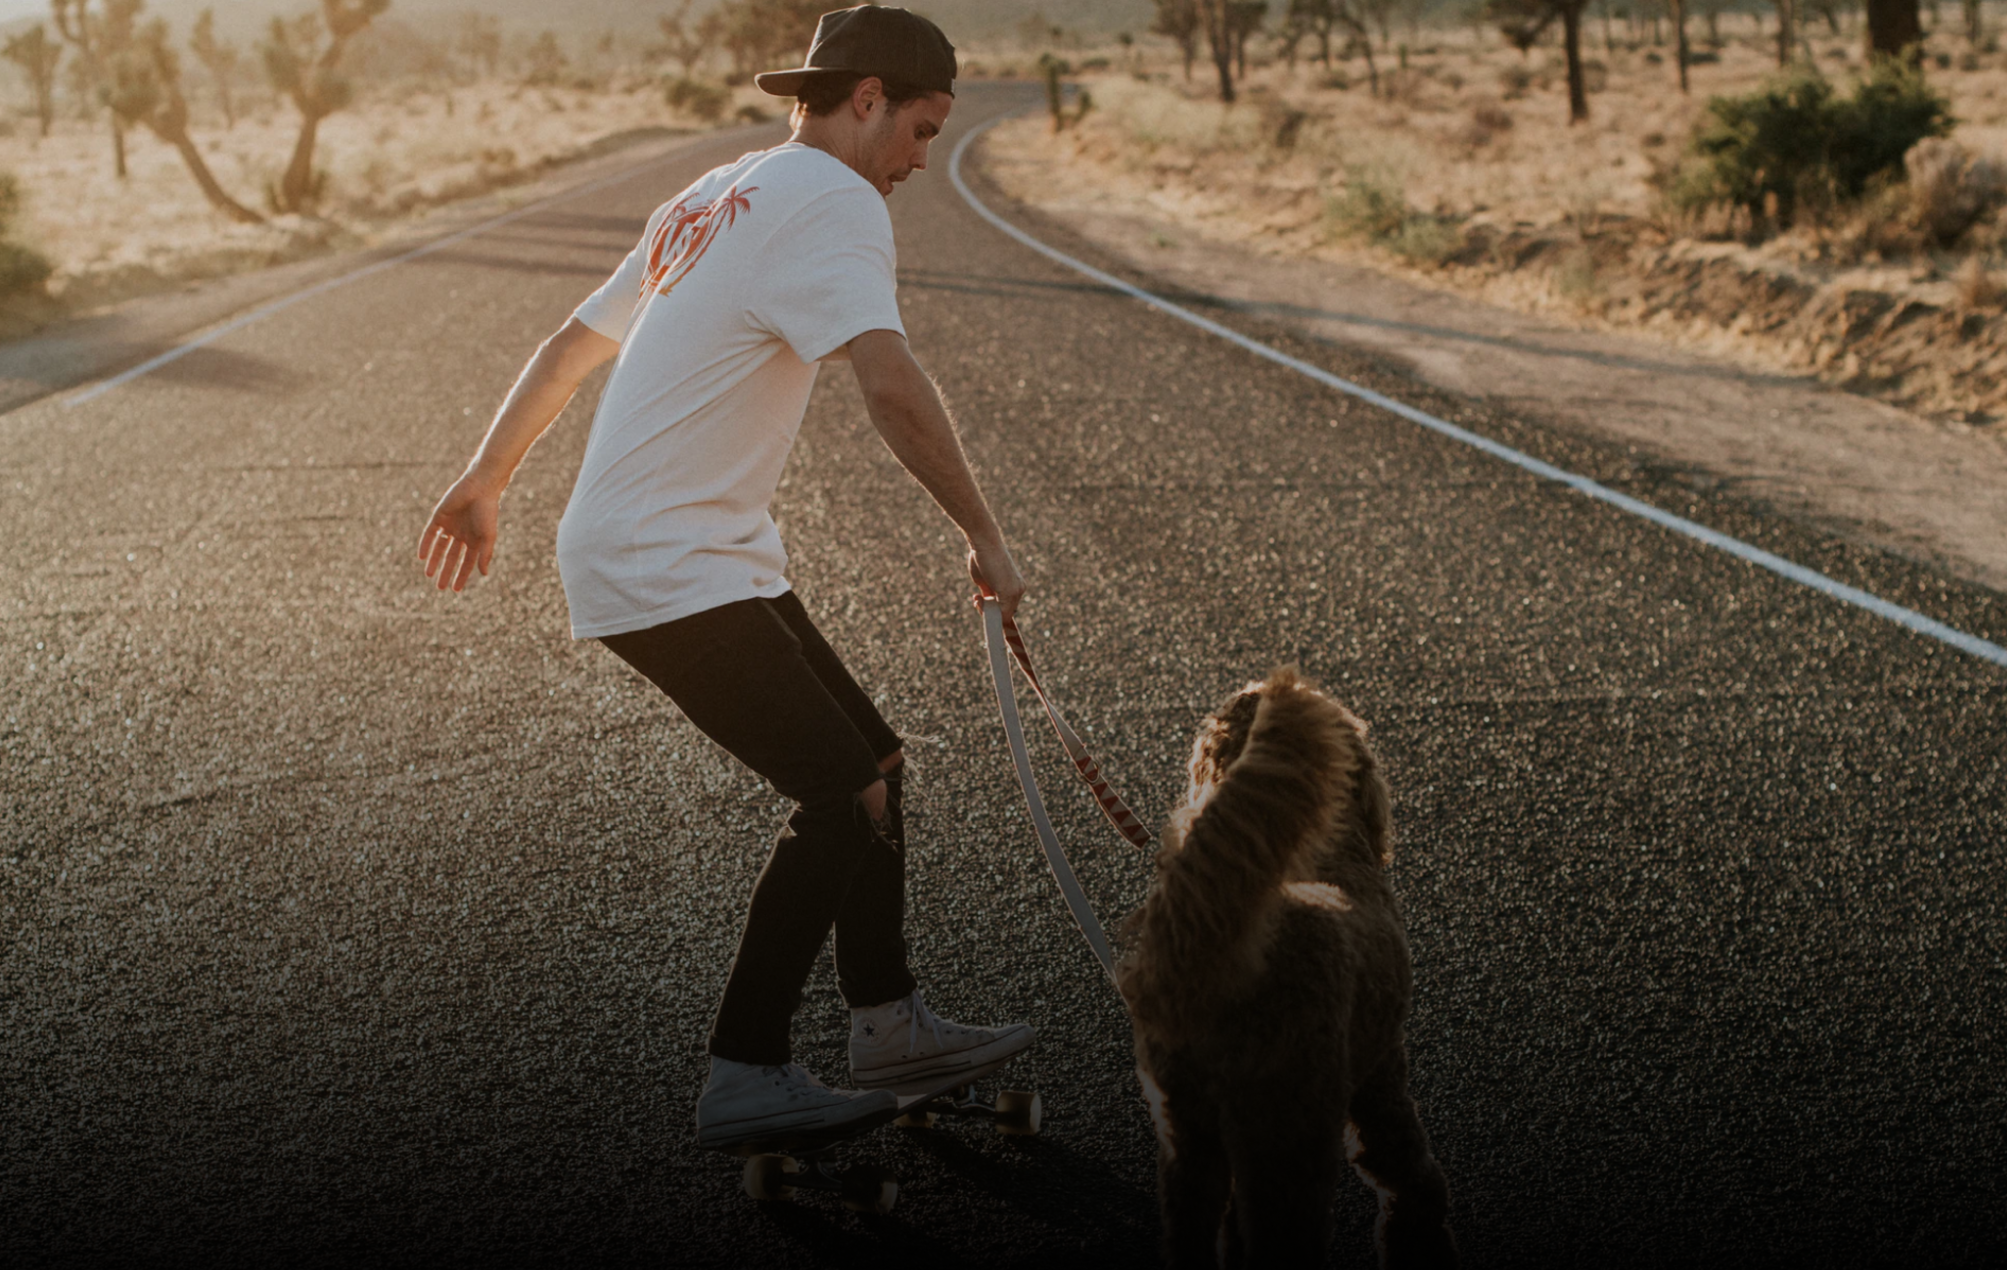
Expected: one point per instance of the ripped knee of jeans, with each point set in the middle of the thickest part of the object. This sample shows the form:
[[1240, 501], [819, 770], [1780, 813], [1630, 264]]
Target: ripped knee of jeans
[[873, 800]]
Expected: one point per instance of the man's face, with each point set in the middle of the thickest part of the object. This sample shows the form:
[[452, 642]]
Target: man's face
[[895, 138]]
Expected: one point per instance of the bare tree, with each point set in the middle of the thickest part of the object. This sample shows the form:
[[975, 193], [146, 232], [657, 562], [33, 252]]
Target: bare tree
[[1894, 29], [479, 40], [1523, 22], [688, 41], [1679, 41], [146, 92], [1787, 31], [36, 54], [99, 37], [1179, 19], [220, 57], [302, 59]]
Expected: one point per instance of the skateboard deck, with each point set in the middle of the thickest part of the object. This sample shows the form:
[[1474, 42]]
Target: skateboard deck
[[782, 1162]]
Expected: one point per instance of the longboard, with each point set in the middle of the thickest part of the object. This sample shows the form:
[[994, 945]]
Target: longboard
[[778, 1164]]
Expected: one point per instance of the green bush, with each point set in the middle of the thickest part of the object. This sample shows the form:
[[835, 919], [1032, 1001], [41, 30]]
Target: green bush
[[707, 102], [21, 268], [1371, 206], [1795, 141]]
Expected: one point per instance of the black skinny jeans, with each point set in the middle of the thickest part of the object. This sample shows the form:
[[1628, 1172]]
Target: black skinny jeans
[[758, 678]]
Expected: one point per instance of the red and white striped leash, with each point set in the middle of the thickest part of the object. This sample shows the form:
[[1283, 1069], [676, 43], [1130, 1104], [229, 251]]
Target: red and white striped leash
[[1001, 635]]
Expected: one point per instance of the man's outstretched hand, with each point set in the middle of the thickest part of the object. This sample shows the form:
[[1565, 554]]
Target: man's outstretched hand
[[460, 537], [995, 573]]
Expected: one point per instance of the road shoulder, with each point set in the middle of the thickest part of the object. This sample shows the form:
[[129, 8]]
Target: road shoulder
[[1863, 469], [93, 345]]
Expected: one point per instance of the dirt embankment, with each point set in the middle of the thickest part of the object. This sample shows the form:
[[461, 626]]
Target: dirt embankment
[[1934, 354]]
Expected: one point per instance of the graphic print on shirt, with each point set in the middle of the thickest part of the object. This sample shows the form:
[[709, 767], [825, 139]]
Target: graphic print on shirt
[[686, 232]]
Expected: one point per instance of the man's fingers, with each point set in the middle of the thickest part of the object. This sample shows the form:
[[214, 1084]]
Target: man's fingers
[[468, 559], [425, 537], [447, 559], [487, 556], [442, 543]]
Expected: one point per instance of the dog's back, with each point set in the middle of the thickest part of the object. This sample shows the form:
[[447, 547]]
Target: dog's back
[[1268, 979]]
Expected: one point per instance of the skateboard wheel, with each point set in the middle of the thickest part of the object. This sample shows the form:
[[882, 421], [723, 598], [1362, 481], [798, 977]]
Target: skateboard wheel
[[870, 1189], [917, 1120], [766, 1176], [1018, 1112]]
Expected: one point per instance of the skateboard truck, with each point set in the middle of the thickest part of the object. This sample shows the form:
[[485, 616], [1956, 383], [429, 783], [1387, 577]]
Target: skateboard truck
[[809, 1164], [1016, 1112]]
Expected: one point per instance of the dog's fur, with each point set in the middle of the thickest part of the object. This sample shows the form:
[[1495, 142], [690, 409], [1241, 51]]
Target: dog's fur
[[1268, 979]]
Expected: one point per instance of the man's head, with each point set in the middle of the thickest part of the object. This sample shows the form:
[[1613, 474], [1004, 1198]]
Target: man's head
[[875, 88]]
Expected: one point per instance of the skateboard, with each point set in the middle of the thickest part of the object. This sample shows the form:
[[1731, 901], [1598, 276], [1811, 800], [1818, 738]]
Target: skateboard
[[780, 1164]]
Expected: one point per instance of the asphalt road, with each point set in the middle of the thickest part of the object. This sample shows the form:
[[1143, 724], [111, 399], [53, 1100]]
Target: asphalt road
[[346, 922]]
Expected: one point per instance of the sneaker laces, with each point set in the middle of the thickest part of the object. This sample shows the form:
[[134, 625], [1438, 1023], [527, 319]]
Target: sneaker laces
[[913, 1030]]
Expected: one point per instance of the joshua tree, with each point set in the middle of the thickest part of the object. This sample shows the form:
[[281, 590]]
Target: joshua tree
[[220, 57], [146, 91], [302, 59], [99, 37], [36, 54]]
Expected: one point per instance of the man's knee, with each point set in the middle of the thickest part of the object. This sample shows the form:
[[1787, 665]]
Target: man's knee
[[873, 798]]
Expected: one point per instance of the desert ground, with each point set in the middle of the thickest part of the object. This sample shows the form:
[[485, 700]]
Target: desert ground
[[1504, 200]]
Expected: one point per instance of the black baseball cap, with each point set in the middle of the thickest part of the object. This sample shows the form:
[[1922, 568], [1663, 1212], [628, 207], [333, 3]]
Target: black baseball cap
[[870, 39]]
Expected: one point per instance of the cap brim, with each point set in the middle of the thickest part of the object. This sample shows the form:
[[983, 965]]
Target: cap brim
[[783, 83]]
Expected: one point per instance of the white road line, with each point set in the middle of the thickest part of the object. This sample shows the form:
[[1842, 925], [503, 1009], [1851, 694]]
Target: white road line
[[1678, 524], [263, 311]]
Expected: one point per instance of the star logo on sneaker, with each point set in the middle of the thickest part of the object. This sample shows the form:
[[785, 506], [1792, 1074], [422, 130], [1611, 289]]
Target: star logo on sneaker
[[870, 1029]]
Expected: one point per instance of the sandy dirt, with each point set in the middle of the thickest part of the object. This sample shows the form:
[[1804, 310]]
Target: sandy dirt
[[1932, 490]]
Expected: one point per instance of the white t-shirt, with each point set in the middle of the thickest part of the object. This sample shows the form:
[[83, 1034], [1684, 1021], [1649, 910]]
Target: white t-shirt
[[740, 285]]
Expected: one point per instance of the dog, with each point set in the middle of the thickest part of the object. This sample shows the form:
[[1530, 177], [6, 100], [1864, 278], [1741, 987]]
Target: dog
[[1268, 978]]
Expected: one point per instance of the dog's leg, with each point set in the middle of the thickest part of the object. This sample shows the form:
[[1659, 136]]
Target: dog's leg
[[1285, 1171], [1192, 1186], [1391, 1151]]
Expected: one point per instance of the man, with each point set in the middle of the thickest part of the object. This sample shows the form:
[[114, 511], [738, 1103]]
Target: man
[[739, 287]]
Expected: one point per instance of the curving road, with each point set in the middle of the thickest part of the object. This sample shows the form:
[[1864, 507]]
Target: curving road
[[344, 922]]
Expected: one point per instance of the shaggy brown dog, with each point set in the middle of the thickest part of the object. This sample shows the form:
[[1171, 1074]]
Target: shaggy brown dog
[[1268, 979]]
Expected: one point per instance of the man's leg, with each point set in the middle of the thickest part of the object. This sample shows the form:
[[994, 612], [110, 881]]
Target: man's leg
[[738, 673], [870, 927]]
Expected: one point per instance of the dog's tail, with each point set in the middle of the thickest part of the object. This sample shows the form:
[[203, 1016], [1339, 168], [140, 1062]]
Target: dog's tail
[[1204, 931]]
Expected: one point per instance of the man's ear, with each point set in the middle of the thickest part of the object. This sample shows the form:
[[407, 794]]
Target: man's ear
[[869, 91]]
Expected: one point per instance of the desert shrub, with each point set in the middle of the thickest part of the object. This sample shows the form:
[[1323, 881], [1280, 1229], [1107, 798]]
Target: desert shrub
[[1515, 79], [1370, 205], [21, 268], [1427, 240], [707, 102], [1795, 141], [1950, 189], [1975, 285], [750, 113]]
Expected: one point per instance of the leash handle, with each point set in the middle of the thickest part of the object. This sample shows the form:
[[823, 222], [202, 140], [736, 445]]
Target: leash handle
[[1125, 821]]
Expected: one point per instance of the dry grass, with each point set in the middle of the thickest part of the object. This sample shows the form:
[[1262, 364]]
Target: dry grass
[[1475, 134], [1465, 172], [397, 151]]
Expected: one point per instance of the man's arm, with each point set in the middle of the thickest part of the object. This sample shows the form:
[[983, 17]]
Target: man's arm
[[460, 537], [907, 411]]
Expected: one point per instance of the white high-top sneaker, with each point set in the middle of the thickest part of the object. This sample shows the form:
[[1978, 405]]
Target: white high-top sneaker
[[907, 1048], [743, 1101]]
